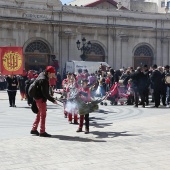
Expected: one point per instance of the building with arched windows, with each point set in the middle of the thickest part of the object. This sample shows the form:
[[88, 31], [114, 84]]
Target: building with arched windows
[[48, 32]]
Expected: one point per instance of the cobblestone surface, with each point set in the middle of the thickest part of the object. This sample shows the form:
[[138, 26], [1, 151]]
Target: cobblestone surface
[[121, 138]]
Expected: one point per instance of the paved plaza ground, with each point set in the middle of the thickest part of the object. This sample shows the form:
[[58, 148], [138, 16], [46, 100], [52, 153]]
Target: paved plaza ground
[[120, 138]]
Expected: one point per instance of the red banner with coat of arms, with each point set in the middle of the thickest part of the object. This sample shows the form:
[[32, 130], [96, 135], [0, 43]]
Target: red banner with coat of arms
[[11, 60]]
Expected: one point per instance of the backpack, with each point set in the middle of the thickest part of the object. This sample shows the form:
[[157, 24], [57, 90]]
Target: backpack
[[33, 89]]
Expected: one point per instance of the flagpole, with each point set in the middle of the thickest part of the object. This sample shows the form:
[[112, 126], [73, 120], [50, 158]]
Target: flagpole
[[12, 63]]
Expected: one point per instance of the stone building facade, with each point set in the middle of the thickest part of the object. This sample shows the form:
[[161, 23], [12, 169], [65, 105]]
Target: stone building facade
[[49, 31]]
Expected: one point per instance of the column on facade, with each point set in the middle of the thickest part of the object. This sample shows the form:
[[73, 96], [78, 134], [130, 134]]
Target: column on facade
[[158, 52], [68, 47], [110, 50], [63, 49], [124, 51], [168, 62], [118, 53], [73, 48], [56, 42], [165, 56], [114, 51]]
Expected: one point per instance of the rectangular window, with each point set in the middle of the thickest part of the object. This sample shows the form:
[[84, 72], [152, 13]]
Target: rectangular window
[[168, 4], [162, 4]]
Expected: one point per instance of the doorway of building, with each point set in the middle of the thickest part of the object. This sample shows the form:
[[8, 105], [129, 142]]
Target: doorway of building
[[143, 55], [95, 53], [141, 61], [37, 56]]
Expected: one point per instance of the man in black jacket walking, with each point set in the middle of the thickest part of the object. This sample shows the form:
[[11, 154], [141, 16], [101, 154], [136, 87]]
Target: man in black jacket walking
[[138, 85], [156, 80], [41, 97]]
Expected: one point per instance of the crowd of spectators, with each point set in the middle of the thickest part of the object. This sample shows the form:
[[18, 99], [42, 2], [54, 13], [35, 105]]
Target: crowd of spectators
[[144, 81]]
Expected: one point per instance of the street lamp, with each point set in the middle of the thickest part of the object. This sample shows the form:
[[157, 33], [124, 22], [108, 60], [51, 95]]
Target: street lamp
[[166, 9], [119, 5], [85, 46]]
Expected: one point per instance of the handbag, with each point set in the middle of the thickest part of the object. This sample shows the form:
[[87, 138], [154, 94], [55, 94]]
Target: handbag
[[34, 107]]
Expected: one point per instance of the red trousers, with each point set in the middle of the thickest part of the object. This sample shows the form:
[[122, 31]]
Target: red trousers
[[70, 117], [41, 116]]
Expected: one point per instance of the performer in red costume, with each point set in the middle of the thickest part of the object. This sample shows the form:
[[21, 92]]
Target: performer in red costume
[[85, 96], [80, 77]]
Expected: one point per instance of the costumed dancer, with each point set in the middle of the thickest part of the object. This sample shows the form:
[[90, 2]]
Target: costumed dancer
[[80, 77], [72, 108], [85, 96], [64, 95], [86, 74]]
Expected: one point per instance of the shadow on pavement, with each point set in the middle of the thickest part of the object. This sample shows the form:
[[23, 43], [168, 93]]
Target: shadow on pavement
[[26, 107], [160, 107], [111, 134], [73, 138], [105, 112], [100, 125], [95, 118], [51, 108]]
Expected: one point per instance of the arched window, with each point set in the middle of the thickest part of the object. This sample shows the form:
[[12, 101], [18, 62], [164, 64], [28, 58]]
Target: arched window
[[143, 51], [96, 49], [37, 46]]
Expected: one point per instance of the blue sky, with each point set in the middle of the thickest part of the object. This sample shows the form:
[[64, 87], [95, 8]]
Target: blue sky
[[65, 1]]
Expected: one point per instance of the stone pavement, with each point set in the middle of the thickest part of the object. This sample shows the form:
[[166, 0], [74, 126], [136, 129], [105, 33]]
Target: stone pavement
[[121, 138]]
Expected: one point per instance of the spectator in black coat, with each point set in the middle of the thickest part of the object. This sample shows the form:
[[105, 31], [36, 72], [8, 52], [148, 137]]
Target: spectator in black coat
[[147, 77], [112, 72], [164, 86], [138, 85], [117, 75], [156, 79], [21, 81], [59, 81], [126, 78], [12, 84]]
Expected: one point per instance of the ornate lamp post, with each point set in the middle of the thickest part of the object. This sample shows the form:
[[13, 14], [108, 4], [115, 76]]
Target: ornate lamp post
[[166, 9], [85, 46], [119, 5]]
